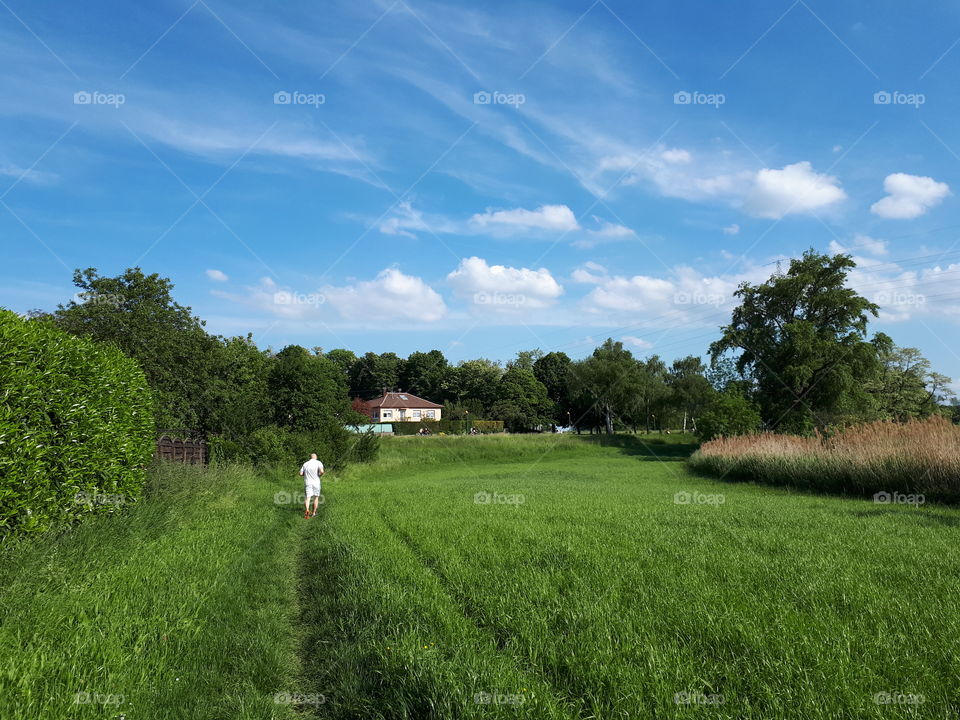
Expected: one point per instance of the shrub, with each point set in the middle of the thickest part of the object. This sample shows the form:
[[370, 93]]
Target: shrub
[[76, 426], [917, 457], [271, 445], [448, 427], [728, 414]]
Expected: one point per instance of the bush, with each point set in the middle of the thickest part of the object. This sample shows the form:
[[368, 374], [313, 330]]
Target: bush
[[728, 414], [448, 427], [918, 457], [271, 445], [76, 426]]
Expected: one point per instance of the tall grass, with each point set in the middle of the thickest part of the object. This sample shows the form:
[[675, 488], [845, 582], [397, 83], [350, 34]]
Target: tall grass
[[917, 457]]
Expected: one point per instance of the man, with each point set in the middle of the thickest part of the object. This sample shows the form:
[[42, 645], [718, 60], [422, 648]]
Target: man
[[311, 471]]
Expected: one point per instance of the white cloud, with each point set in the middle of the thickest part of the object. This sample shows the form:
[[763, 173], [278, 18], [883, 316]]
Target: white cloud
[[863, 243], [676, 155], [391, 296], [545, 217], [591, 273], [604, 232], [733, 229], [217, 275], [636, 342], [795, 188], [37, 177], [903, 294], [504, 288], [909, 196]]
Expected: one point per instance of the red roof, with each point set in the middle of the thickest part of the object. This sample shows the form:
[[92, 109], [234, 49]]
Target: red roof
[[401, 400]]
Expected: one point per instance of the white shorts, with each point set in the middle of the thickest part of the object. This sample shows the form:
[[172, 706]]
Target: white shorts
[[311, 490]]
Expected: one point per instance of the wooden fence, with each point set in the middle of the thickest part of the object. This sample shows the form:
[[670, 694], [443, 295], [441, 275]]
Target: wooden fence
[[178, 448]]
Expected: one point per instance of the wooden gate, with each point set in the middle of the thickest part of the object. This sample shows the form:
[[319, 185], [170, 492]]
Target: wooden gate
[[180, 447]]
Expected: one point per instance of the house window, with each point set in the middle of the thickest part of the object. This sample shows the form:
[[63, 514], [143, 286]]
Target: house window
[[416, 414], [386, 414], [431, 413]]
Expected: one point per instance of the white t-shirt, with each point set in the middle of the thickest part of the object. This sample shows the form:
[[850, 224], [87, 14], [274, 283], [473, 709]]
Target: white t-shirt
[[311, 470]]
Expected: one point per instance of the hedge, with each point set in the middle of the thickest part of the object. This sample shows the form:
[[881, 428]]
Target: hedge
[[450, 427], [76, 426], [270, 445]]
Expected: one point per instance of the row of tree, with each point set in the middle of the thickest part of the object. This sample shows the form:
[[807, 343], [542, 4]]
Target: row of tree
[[795, 356]]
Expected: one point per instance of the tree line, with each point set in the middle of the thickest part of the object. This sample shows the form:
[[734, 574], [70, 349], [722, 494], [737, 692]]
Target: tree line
[[795, 356]]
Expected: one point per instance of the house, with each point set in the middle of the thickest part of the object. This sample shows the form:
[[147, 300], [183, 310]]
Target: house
[[401, 407]]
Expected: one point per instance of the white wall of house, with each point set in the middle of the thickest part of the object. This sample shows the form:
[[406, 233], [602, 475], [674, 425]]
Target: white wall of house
[[405, 414]]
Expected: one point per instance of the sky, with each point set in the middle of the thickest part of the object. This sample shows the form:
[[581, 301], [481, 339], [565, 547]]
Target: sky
[[483, 178]]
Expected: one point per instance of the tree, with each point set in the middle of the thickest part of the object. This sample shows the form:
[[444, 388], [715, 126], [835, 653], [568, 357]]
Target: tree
[[611, 377], [424, 374], [690, 389], [244, 403], [553, 370], [371, 373], [477, 380], [728, 413], [343, 359], [801, 339], [137, 313], [526, 359], [306, 390], [522, 401]]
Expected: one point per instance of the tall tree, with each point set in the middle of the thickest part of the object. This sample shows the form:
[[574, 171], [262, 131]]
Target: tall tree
[[553, 370], [424, 374], [611, 377], [137, 312], [306, 390], [522, 401], [690, 389], [801, 337]]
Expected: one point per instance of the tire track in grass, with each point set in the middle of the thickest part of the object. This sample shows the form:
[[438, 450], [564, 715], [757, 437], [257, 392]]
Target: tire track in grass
[[463, 605]]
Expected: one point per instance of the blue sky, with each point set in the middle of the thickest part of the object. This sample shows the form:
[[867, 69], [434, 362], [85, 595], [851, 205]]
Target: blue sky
[[483, 178]]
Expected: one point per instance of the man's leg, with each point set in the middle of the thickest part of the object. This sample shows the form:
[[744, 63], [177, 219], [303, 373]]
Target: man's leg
[[306, 505], [316, 501]]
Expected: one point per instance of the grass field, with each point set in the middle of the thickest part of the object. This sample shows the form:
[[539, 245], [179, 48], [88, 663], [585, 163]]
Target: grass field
[[534, 577]]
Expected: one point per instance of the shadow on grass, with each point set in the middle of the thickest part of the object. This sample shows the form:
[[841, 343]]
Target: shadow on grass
[[928, 517], [646, 447]]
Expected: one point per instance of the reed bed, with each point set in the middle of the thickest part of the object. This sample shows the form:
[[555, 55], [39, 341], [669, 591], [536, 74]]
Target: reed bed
[[917, 457]]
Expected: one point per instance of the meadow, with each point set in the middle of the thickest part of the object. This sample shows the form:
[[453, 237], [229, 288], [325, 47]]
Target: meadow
[[497, 576]]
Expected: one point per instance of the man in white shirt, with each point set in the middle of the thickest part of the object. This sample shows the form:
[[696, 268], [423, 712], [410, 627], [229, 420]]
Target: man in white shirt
[[311, 471]]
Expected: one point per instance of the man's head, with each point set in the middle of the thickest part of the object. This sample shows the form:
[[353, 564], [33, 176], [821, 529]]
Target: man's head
[[313, 456]]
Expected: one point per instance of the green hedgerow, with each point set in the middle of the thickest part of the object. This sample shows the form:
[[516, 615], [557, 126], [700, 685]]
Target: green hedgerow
[[76, 426]]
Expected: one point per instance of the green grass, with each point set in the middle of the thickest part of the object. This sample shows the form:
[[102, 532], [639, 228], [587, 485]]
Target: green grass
[[597, 596]]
